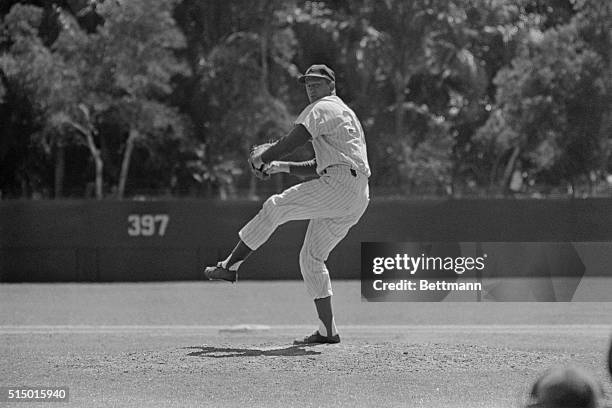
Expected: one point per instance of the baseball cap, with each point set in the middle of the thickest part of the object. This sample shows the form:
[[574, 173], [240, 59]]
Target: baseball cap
[[318, 71], [566, 387]]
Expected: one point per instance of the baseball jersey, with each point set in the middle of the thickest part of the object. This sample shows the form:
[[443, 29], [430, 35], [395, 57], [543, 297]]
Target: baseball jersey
[[337, 135]]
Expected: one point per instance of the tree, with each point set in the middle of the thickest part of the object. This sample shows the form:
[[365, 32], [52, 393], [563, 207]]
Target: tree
[[124, 68], [411, 38], [132, 70], [549, 107], [450, 93], [29, 75], [594, 23], [242, 81], [416, 58]]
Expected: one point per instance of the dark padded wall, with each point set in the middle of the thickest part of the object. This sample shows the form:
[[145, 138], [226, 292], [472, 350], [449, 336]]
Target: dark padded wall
[[89, 240]]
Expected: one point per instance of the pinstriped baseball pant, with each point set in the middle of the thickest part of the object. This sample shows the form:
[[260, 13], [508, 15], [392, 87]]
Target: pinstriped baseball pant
[[333, 203]]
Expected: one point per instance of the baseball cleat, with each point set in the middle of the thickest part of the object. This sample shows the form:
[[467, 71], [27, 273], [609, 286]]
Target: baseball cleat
[[317, 338], [218, 272]]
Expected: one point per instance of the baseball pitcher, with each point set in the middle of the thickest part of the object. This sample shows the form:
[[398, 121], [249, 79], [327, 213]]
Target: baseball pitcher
[[333, 202]]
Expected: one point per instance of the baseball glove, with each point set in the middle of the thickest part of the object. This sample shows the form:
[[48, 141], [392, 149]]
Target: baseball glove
[[258, 167]]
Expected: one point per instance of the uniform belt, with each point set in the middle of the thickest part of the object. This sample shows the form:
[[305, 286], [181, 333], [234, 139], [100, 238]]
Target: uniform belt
[[353, 172]]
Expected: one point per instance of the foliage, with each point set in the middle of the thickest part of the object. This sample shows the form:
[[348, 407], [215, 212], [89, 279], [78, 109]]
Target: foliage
[[29, 78], [455, 96], [120, 73], [550, 105]]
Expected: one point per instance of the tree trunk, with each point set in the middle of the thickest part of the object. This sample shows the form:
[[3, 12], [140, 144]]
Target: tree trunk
[[263, 47], [99, 175], [493, 175], [400, 98], [125, 164], [24, 186], [89, 133], [510, 168], [60, 166]]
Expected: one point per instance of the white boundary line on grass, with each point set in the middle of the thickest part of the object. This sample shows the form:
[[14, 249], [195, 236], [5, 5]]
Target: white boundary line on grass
[[250, 328]]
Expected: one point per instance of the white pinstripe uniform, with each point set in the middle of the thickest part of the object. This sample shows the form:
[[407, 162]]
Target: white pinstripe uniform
[[333, 203]]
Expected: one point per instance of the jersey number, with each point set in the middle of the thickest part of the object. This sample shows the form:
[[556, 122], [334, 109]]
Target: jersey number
[[354, 126]]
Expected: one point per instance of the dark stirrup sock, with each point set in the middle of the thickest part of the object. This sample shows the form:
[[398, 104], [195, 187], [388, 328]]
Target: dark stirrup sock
[[237, 257], [326, 316]]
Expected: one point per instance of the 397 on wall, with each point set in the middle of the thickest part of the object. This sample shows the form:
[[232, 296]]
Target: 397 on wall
[[147, 225]]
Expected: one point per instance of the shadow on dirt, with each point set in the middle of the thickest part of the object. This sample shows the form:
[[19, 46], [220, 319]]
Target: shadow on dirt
[[223, 352]]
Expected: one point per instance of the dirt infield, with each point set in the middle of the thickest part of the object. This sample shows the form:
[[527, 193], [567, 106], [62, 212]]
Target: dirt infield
[[202, 344]]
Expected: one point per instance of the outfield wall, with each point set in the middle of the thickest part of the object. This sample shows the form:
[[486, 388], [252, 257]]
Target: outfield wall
[[171, 240]]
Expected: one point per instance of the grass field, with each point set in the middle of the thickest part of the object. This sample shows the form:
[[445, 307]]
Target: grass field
[[214, 344]]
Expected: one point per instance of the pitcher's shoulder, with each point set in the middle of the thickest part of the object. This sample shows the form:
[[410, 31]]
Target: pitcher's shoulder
[[330, 103]]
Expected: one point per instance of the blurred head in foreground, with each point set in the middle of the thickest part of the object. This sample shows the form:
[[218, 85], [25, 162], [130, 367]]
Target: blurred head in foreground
[[566, 387], [610, 359]]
